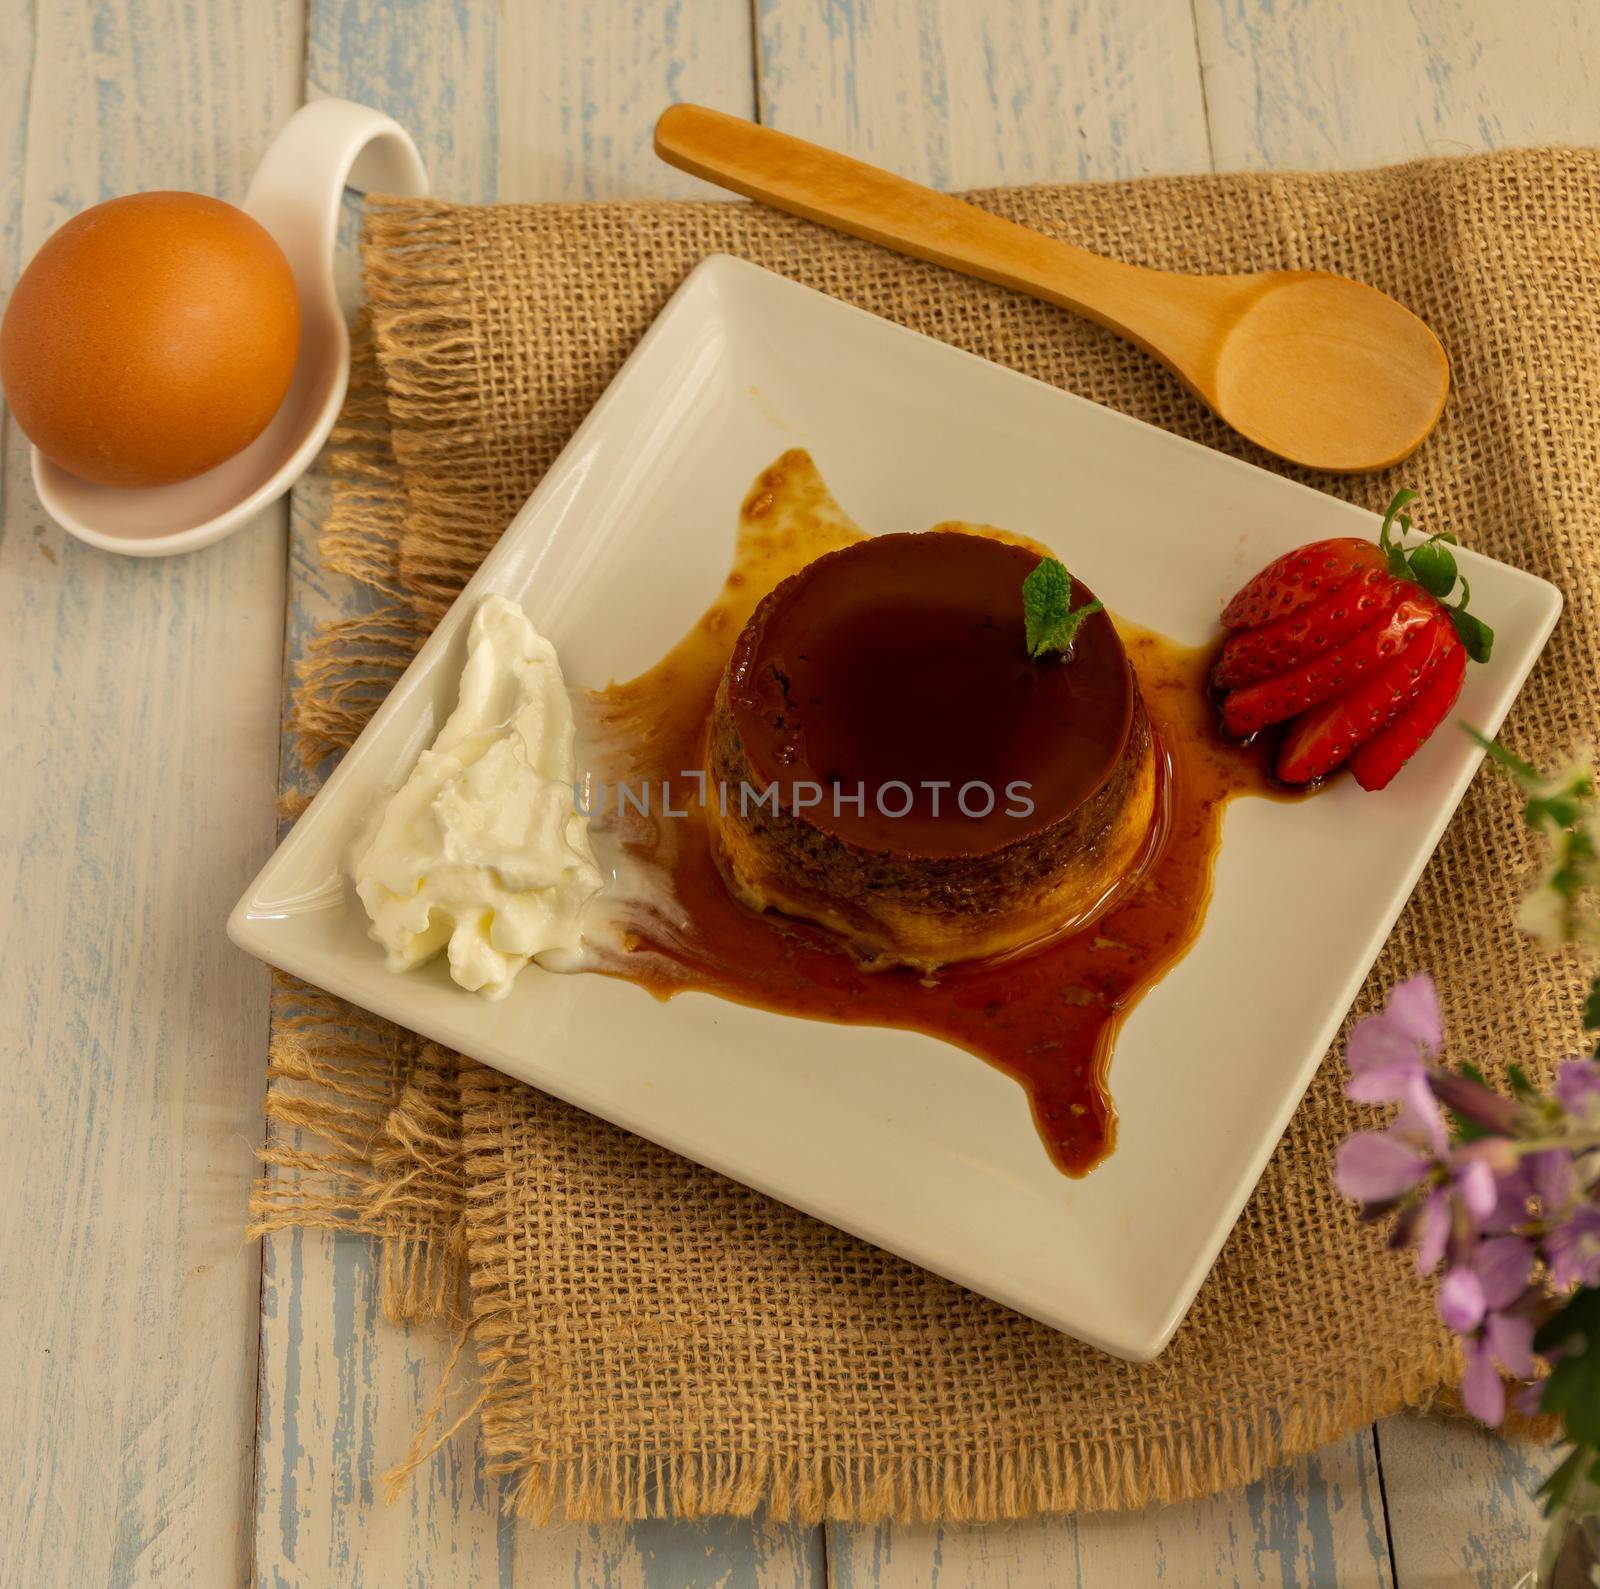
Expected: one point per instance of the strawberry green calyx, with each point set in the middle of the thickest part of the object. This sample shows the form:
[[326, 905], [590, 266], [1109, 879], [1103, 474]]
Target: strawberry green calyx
[[1432, 565], [1477, 638]]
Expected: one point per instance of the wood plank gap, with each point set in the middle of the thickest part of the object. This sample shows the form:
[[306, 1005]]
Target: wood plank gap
[[758, 99], [1200, 68], [285, 666], [1383, 1497], [22, 180], [305, 97]]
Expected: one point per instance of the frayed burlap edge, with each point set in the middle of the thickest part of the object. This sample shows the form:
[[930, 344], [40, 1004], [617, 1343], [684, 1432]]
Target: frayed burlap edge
[[364, 1135]]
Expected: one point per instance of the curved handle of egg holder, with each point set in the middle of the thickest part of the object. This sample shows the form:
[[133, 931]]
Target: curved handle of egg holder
[[324, 148], [295, 194]]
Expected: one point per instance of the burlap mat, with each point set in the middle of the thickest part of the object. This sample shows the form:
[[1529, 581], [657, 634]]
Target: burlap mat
[[650, 1337]]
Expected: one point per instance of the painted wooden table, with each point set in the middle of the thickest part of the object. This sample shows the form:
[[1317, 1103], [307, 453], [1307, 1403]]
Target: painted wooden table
[[184, 1407]]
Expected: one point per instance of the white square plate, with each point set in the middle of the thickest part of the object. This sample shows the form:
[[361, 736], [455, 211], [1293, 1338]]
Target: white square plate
[[899, 1138]]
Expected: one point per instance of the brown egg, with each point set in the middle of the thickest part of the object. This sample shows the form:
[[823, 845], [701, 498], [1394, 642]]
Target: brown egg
[[150, 338]]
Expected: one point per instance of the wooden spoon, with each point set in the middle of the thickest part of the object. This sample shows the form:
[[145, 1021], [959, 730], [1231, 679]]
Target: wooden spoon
[[1316, 368]]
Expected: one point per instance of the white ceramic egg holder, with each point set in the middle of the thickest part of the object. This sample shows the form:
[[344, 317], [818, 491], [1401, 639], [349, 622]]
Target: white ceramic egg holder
[[324, 148]]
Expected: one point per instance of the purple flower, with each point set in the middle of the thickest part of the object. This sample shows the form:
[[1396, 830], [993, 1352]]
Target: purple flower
[[1461, 1300], [1527, 1400], [1374, 1166], [1572, 1249], [1507, 1338], [1387, 1051], [1418, 1120], [1508, 1214], [1577, 1086], [1510, 1338], [1473, 1101], [1552, 1180], [1388, 1054], [1433, 1230], [1483, 1393], [1512, 1194], [1504, 1266], [1493, 1278], [1474, 1184]]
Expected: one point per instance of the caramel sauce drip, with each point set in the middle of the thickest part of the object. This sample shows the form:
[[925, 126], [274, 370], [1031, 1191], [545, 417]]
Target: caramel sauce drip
[[1047, 1018]]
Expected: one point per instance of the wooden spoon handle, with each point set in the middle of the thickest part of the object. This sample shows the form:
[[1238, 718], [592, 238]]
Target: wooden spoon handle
[[1161, 312]]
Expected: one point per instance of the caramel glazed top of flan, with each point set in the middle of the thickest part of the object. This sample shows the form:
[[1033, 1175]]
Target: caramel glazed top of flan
[[932, 794]]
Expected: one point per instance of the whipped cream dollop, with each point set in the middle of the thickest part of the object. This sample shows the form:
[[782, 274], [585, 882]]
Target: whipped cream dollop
[[482, 851]]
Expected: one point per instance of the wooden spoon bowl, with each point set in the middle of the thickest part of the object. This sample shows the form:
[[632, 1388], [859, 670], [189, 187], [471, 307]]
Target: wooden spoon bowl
[[1330, 373], [1321, 370]]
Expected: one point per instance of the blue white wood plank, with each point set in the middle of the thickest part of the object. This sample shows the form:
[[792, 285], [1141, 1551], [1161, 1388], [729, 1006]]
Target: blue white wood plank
[[1319, 84], [1315, 1522], [1460, 1500], [581, 87], [137, 763], [965, 93]]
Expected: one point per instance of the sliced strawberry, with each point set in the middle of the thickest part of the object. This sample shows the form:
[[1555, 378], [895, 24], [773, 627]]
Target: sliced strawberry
[[1322, 738], [1348, 607], [1377, 761], [1297, 579], [1274, 700]]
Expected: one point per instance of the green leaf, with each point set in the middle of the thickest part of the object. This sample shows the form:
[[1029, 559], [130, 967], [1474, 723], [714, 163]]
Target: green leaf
[[1046, 597], [1475, 634], [1561, 1483], [1465, 1130], [1558, 811], [1524, 772], [1051, 619], [1388, 543], [1433, 566], [1520, 1084], [1558, 1329], [1573, 1389], [1591, 1007]]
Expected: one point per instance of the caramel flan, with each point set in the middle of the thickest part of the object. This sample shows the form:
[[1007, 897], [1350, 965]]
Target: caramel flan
[[889, 762]]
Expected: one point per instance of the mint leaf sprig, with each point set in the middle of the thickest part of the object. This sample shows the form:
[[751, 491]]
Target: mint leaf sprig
[[1052, 621], [1432, 565]]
